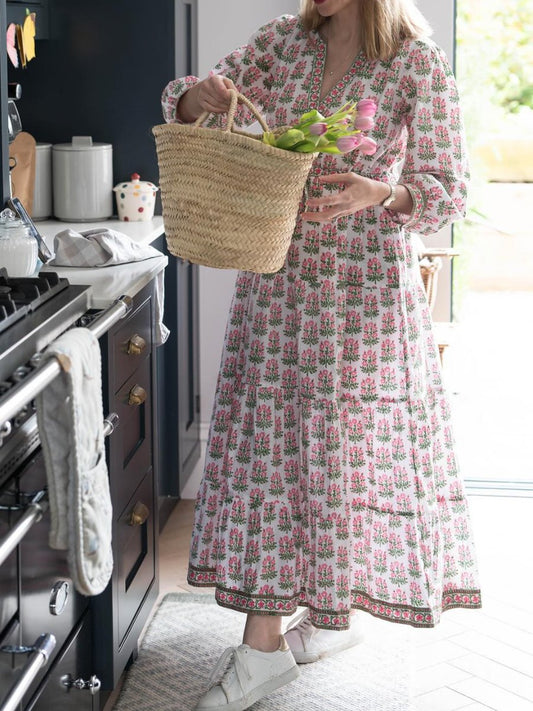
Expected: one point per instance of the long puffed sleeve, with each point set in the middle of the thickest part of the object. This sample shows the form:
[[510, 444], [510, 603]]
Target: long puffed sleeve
[[251, 68], [435, 170]]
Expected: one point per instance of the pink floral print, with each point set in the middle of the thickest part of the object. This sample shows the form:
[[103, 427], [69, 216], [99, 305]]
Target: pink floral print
[[330, 477]]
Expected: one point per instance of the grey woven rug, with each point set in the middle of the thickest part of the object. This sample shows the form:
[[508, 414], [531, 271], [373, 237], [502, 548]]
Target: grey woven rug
[[190, 631]]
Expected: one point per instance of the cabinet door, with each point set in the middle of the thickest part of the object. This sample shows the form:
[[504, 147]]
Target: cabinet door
[[178, 380], [135, 553], [130, 447], [188, 370], [186, 14]]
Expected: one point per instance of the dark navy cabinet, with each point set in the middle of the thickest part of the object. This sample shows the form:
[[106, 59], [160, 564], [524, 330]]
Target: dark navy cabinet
[[100, 69], [129, 383], [179, 380]]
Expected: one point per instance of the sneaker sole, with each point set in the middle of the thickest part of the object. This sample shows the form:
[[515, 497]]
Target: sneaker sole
[[310, 657], [258, 693]]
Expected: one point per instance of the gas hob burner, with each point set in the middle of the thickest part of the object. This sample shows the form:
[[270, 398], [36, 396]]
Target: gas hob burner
[[33, 312], [21, 295]]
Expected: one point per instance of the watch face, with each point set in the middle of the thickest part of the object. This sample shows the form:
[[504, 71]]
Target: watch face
[[391, 198]]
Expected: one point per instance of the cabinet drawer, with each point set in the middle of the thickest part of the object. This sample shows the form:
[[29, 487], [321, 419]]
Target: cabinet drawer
[[135, 553], [131, 344], [74, 663], [130, 446]]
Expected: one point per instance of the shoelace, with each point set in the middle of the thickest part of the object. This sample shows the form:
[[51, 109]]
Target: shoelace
[[220, 673]]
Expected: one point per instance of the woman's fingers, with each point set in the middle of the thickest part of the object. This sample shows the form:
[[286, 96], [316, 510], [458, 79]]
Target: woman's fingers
[[352, 196], [214, 93], [324, 215], [337, 178], [229, 84]]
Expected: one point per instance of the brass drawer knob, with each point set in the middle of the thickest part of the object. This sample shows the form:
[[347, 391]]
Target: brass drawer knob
[[136, 345], [139, 514], [137, 395]]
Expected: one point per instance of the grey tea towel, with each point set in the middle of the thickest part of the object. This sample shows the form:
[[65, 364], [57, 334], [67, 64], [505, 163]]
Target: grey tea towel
[[70, 418], [104, 247]]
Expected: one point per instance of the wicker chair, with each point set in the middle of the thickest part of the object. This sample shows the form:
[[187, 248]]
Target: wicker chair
[[429, 270], [430, 263]]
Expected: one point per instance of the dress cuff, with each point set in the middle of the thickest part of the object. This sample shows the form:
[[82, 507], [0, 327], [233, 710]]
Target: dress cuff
[[172, 94], [419, 204]]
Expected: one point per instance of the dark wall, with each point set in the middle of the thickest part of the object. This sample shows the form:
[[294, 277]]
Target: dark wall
[[4, 148], [100, 72]]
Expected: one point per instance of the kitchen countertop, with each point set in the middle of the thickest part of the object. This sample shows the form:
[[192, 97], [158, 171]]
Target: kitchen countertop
[[108, 283]]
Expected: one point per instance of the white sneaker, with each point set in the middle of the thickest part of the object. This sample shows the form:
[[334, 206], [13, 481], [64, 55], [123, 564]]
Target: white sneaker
[[309, 644], [243, 675]]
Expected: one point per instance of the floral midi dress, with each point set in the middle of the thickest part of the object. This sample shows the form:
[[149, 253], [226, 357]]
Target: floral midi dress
[[330, 477]]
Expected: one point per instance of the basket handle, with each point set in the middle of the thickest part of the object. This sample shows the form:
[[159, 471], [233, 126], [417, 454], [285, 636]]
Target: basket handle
[[236, 98]]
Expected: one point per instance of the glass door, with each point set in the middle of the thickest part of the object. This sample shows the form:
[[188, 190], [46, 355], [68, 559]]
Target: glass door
[[489, 366]]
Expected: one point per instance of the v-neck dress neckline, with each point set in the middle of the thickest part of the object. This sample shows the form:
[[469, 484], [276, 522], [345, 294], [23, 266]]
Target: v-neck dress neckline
[[319, 65]]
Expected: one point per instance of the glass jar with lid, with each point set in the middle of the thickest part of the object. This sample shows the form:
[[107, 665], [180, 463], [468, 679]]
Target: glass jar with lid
[[18, 248]]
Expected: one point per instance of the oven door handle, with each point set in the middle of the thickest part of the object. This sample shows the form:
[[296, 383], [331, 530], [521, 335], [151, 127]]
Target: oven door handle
[[37, 659], [32, 515], [28, 388], [110, 424]]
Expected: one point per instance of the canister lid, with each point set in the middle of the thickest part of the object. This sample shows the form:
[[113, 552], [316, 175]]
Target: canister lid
[[136, 186], [9, 219], [82, 143], [12, 225]]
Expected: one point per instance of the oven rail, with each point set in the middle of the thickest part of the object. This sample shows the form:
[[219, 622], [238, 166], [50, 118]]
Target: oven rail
[[42, 376], [33, 513], [37, 659]]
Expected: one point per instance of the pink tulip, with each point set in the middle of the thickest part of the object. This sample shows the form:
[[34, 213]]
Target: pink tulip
[[317, 129], [368, 146], [364, 123], [345, 144], [366, 107]]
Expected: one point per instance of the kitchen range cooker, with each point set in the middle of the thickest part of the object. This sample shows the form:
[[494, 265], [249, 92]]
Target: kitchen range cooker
[[45, 625]]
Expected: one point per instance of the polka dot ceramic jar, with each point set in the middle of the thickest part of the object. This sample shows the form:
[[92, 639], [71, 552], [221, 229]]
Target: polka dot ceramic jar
[[135, 199]]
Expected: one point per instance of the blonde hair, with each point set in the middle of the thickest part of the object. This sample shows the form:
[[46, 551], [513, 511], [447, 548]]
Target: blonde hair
[[385, 24]]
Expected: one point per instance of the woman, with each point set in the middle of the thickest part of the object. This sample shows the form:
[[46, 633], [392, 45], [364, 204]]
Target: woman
[[330, 479]]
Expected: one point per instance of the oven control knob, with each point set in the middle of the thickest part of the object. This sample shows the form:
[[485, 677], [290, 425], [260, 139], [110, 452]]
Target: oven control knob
[[5, 431], [59, 597], [20, 417], [93, 684]]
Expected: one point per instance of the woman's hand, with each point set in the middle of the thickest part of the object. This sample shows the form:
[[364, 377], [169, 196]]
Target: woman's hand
[[211, 94], [358, 193]]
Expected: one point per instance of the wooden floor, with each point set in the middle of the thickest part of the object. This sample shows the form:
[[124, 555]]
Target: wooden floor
[[480, 659]]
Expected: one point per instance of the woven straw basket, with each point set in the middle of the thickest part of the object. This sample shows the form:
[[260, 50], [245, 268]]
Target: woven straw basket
[[229, 200]]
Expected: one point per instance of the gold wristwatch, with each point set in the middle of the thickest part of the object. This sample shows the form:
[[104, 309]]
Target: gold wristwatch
[[392, 196]]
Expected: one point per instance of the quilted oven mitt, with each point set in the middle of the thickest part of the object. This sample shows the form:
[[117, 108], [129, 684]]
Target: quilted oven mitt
[[70, 417]]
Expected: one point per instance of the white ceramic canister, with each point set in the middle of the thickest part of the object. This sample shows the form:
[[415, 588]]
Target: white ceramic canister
[[135, 199], [42, 193], [83, 180], [18, 249]]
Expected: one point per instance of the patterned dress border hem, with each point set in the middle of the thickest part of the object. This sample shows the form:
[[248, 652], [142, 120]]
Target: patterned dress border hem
[[328, 619]]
